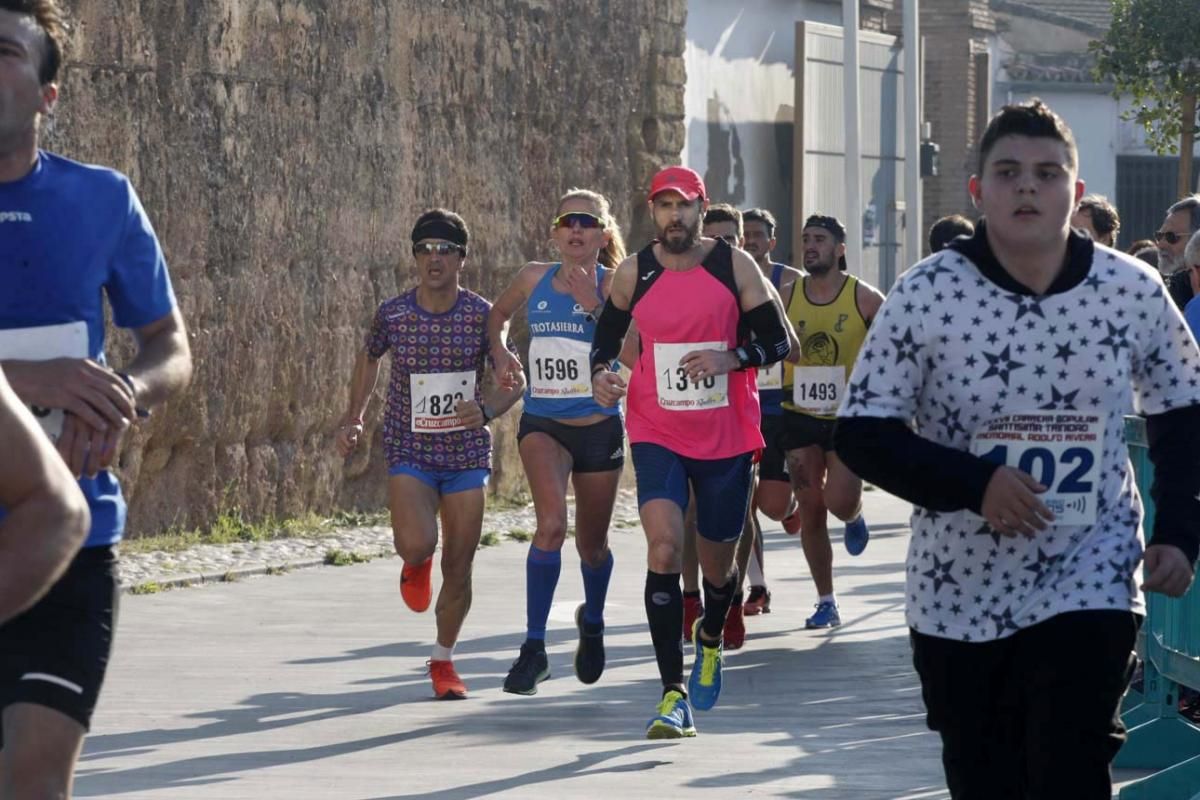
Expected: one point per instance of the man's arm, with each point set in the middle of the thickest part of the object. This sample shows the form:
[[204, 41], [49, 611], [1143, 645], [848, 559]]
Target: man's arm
[[47, 517], [363, 377], [869, 300]]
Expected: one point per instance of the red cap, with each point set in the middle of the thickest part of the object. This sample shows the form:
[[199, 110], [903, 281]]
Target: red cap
[[679, 179]]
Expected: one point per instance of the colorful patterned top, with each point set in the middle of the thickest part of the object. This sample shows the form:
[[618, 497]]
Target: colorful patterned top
[[437, 359]]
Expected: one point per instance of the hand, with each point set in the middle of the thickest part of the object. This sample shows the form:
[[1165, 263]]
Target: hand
[[580, 284], [507, 368], [607, 388], [1011, 506], [701, 364], [1168, 570], [469, 414], [87, 450], [348, 436], [80, 386]]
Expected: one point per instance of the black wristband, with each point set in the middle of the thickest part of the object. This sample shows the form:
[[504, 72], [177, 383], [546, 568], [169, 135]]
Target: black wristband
[[142, 413]]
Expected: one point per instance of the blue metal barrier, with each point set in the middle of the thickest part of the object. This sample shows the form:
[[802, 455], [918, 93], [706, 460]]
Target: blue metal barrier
[[1159, 738]]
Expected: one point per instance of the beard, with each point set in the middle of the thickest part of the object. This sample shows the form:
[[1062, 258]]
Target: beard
[[1168, 264], [819, 268], [690, 239]]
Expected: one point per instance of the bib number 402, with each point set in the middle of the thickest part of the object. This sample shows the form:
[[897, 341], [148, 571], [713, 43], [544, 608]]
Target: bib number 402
[[1043, 464]]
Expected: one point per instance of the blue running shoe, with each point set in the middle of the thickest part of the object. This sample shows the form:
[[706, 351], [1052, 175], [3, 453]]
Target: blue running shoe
[[704, 686], [826, 617], [674, 719], [857, 536]]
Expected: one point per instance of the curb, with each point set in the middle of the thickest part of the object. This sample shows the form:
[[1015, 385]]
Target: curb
[[229, 576]]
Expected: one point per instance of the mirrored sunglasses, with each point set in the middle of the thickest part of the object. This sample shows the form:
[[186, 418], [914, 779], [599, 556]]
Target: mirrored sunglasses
[[441, 248], [580, 218]]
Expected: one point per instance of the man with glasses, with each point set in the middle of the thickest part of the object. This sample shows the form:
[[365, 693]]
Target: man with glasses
[[435, 437], [1183, 219]]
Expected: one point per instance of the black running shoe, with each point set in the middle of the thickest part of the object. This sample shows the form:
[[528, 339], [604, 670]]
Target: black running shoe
[[531, 668], [589, 655]]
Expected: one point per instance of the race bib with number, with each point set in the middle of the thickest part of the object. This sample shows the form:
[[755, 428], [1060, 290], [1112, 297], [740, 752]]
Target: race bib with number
[[68, 340], [771, 376], [818, 390], [675, 391], [558, 367], [434, 397], [1060, 449]]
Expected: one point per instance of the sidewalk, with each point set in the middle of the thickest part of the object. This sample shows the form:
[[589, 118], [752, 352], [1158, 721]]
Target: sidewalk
[[312, 685]]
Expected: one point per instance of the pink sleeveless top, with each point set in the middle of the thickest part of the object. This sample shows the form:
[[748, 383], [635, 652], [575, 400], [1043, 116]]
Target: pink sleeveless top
[[672, 309]]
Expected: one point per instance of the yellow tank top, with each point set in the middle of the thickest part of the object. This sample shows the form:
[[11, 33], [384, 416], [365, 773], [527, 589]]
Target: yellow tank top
[[830, 338]]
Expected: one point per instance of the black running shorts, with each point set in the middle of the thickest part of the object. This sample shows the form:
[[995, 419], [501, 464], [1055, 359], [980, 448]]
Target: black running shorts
[[801, 430], [598, 447], [55, 654], [773, 464]]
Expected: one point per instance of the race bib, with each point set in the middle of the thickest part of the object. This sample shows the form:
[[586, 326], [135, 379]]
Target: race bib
[[68, 340], [434, 396], [818, 390], [558, 367], [1061, 449], [771, 376], [675, 391]]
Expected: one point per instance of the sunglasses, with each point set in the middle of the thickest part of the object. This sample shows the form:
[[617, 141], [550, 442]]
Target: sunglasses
[[1171, 237], [580, 218], [441, 248]]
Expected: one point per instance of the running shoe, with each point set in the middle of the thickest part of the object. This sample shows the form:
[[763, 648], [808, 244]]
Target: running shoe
[[693, 609], [826, 617], [446, 683], [734, 634], [673, 720], [857, 535], [589, 653], [704, 685], [758, 602], [531, 668], [415, 585], [791, 523]]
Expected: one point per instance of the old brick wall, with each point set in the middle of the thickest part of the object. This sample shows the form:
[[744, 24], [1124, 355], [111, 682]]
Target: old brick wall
[[283, 150]]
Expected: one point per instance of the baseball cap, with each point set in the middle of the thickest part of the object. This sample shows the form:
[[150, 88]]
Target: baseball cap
[[678, 179]]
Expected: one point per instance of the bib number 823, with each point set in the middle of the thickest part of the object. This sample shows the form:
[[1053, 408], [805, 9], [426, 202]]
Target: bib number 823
[[439, 405]]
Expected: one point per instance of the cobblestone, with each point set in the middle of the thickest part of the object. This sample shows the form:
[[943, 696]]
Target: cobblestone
[[210, 563]]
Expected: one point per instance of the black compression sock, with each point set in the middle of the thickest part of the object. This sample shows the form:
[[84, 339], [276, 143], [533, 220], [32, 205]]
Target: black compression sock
[[717, 600], [664, 610]]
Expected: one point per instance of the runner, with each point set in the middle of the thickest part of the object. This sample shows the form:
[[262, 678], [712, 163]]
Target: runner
[[47, 516], [773, 496], [564, 435], [434, 430], [831, 311], [693, 417], [70, 235], [1016, 354]]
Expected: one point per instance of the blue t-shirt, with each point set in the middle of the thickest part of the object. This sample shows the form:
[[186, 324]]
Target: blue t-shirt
[[70, 235], [1191, 313], [558, 377], [771, 400]]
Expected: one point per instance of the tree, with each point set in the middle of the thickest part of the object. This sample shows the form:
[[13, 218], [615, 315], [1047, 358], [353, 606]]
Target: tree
[[1151, 54]]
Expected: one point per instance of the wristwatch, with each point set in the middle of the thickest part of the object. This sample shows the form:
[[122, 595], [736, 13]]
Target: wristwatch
[[142, 413], [743, 357], [594, 314]]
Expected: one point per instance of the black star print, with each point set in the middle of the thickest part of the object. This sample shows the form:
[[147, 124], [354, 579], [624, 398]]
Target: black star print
[[940, 573], [1064, 352], [1026, 305], [907, 348], [1065, 402], [1001, 364], [1115, 339], [860, 393]]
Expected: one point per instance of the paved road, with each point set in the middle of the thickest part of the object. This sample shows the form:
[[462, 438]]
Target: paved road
[[312, 685]]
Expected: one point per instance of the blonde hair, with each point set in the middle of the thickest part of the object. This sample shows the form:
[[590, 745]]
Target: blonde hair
[[614, 252]]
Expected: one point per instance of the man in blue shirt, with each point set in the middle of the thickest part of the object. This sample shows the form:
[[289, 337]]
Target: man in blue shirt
[[1191, 259], [70, 235]]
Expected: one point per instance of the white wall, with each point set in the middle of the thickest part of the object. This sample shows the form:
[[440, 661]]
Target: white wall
[[740, 59]]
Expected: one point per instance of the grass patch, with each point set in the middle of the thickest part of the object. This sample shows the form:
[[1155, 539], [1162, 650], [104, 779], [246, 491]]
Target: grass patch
[[627, 523], [571, 532], [231, 527], [509, 502], [281, 569], [489, 539], [149, 587], [344, 558], [520, 535]]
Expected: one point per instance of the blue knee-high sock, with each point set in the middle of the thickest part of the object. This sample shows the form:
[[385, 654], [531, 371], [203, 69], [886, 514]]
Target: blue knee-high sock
[[541, 578], [595, 589]]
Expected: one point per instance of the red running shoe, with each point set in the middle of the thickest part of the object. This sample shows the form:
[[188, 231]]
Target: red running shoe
[[415, 585], [791, 523], [446, 683], [735, 628], [758, 602]]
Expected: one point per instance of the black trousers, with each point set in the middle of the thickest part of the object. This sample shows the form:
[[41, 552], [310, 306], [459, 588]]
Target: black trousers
[[1035, 716]]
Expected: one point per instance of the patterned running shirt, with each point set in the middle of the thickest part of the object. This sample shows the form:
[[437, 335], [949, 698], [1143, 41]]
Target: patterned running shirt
[[431, 350]]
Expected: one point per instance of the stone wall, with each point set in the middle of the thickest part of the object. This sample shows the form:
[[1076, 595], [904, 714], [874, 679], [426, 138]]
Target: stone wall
[[283, 150]]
